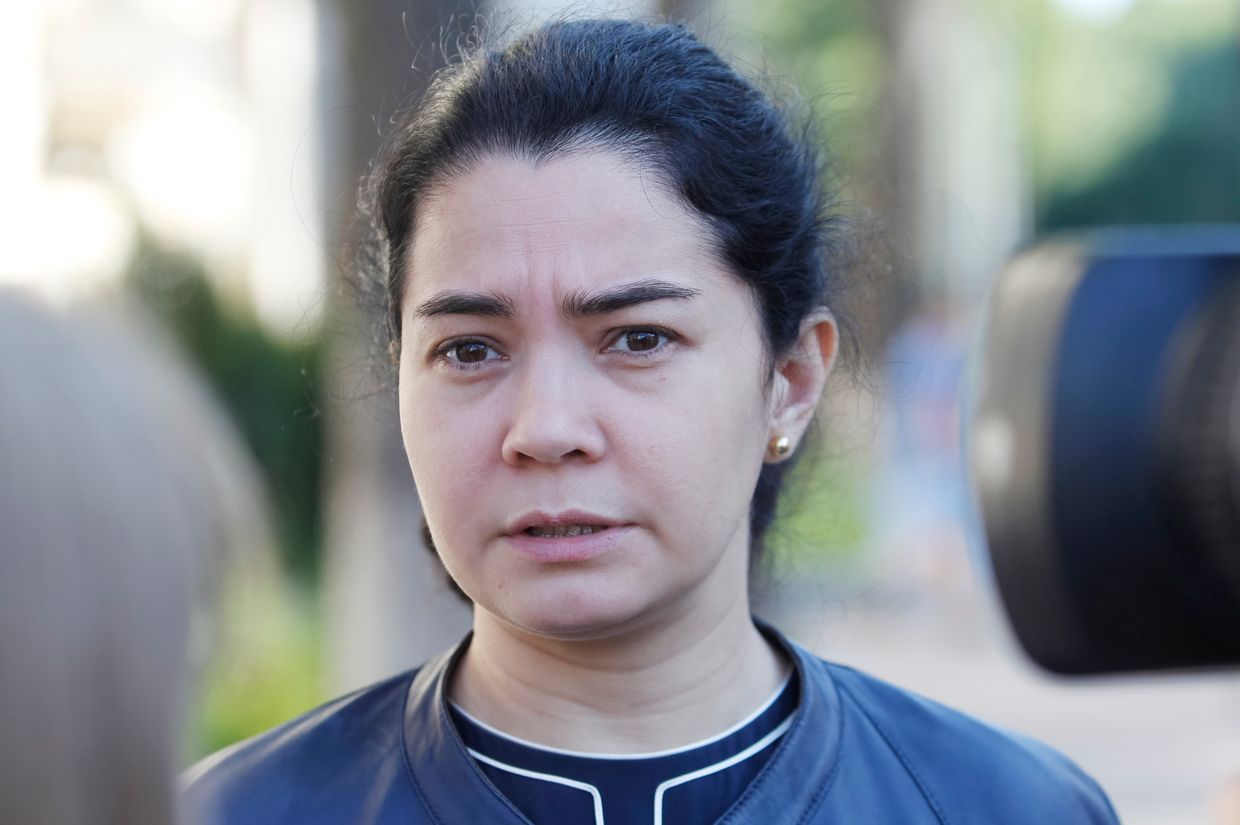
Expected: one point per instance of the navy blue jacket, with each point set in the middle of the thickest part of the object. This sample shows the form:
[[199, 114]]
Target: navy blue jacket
[[858, 751]]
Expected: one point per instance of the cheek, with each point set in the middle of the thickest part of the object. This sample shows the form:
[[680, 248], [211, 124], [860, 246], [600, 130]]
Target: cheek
[[729, 445], [697, 453], [446, 445]]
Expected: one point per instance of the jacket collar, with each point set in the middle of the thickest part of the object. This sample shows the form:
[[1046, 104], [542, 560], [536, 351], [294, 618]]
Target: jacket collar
[[790, 786]]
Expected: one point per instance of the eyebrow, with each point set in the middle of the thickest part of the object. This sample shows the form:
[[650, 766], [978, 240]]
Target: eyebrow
[[575, 304], [604, 302], [466, 303]]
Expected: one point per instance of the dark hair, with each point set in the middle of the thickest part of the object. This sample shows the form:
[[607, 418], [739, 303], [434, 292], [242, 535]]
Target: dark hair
[[646, 90]]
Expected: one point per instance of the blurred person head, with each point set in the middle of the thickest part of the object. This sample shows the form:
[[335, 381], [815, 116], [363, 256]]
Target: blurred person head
[[651, 204], [119, 481]]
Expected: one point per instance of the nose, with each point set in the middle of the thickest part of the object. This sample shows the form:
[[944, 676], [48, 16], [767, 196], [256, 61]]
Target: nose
[[552, 417]]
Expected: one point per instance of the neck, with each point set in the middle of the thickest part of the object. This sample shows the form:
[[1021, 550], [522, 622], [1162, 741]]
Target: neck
[[662, 686]]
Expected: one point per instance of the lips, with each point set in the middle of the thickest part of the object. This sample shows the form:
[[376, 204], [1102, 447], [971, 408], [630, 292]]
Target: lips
[[566, 524], [568, 537], [561, 531]]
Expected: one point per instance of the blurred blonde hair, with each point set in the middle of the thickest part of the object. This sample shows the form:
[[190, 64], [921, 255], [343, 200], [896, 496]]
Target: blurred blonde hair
[[120, 481]]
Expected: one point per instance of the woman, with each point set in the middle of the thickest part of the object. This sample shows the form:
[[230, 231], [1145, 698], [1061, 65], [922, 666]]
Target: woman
[[604, 253]]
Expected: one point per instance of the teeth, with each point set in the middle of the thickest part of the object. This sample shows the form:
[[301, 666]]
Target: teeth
[[564, 530]]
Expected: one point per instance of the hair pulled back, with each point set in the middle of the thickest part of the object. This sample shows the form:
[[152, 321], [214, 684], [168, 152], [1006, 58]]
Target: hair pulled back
[[653, 92]]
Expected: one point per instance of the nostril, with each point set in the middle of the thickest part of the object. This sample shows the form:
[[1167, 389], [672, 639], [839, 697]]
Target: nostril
[[551, 434]]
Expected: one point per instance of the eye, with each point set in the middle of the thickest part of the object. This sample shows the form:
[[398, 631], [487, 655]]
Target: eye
[[641, 341], [467, 353], [470, 352]]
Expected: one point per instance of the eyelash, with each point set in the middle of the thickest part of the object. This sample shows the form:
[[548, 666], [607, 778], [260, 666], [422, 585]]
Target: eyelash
[[441, 354]]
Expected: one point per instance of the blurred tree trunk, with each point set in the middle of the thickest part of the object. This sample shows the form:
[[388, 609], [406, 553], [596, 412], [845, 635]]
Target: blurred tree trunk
[[897, 176], [386, 605], [952, 170]]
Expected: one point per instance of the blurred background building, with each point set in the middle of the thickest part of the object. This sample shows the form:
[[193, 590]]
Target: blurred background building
[[203, 156]]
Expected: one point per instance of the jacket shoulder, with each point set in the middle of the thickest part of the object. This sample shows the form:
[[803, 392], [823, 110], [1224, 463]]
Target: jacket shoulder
[[969, 771], [319, 767]]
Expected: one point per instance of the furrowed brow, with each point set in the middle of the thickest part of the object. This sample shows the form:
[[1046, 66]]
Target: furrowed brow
[[466, 303], [579, 304]]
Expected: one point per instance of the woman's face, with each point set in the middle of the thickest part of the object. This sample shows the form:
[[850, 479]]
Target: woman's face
[[581, 395]]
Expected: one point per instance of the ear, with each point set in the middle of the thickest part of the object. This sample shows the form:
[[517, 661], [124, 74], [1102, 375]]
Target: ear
[[799, 379]]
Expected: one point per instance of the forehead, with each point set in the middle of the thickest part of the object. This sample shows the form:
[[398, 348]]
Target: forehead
[[579, 220]]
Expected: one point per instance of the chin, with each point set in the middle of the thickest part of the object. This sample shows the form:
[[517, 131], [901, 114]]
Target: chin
[[571, 610]]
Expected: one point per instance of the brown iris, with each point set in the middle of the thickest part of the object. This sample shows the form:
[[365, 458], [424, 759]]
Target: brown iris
[[642, 340], [470, 352]]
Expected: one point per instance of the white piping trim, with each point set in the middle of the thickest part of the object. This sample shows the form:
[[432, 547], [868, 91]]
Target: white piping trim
[[715, 768], [649, 755], [548, 777]]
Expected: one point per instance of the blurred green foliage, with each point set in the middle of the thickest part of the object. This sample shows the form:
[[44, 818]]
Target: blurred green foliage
[[1135, 119], [1094, 95], [271, 387], [266, 667], [821, 519], [830, 53], [265, 660], [1187, 169]]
